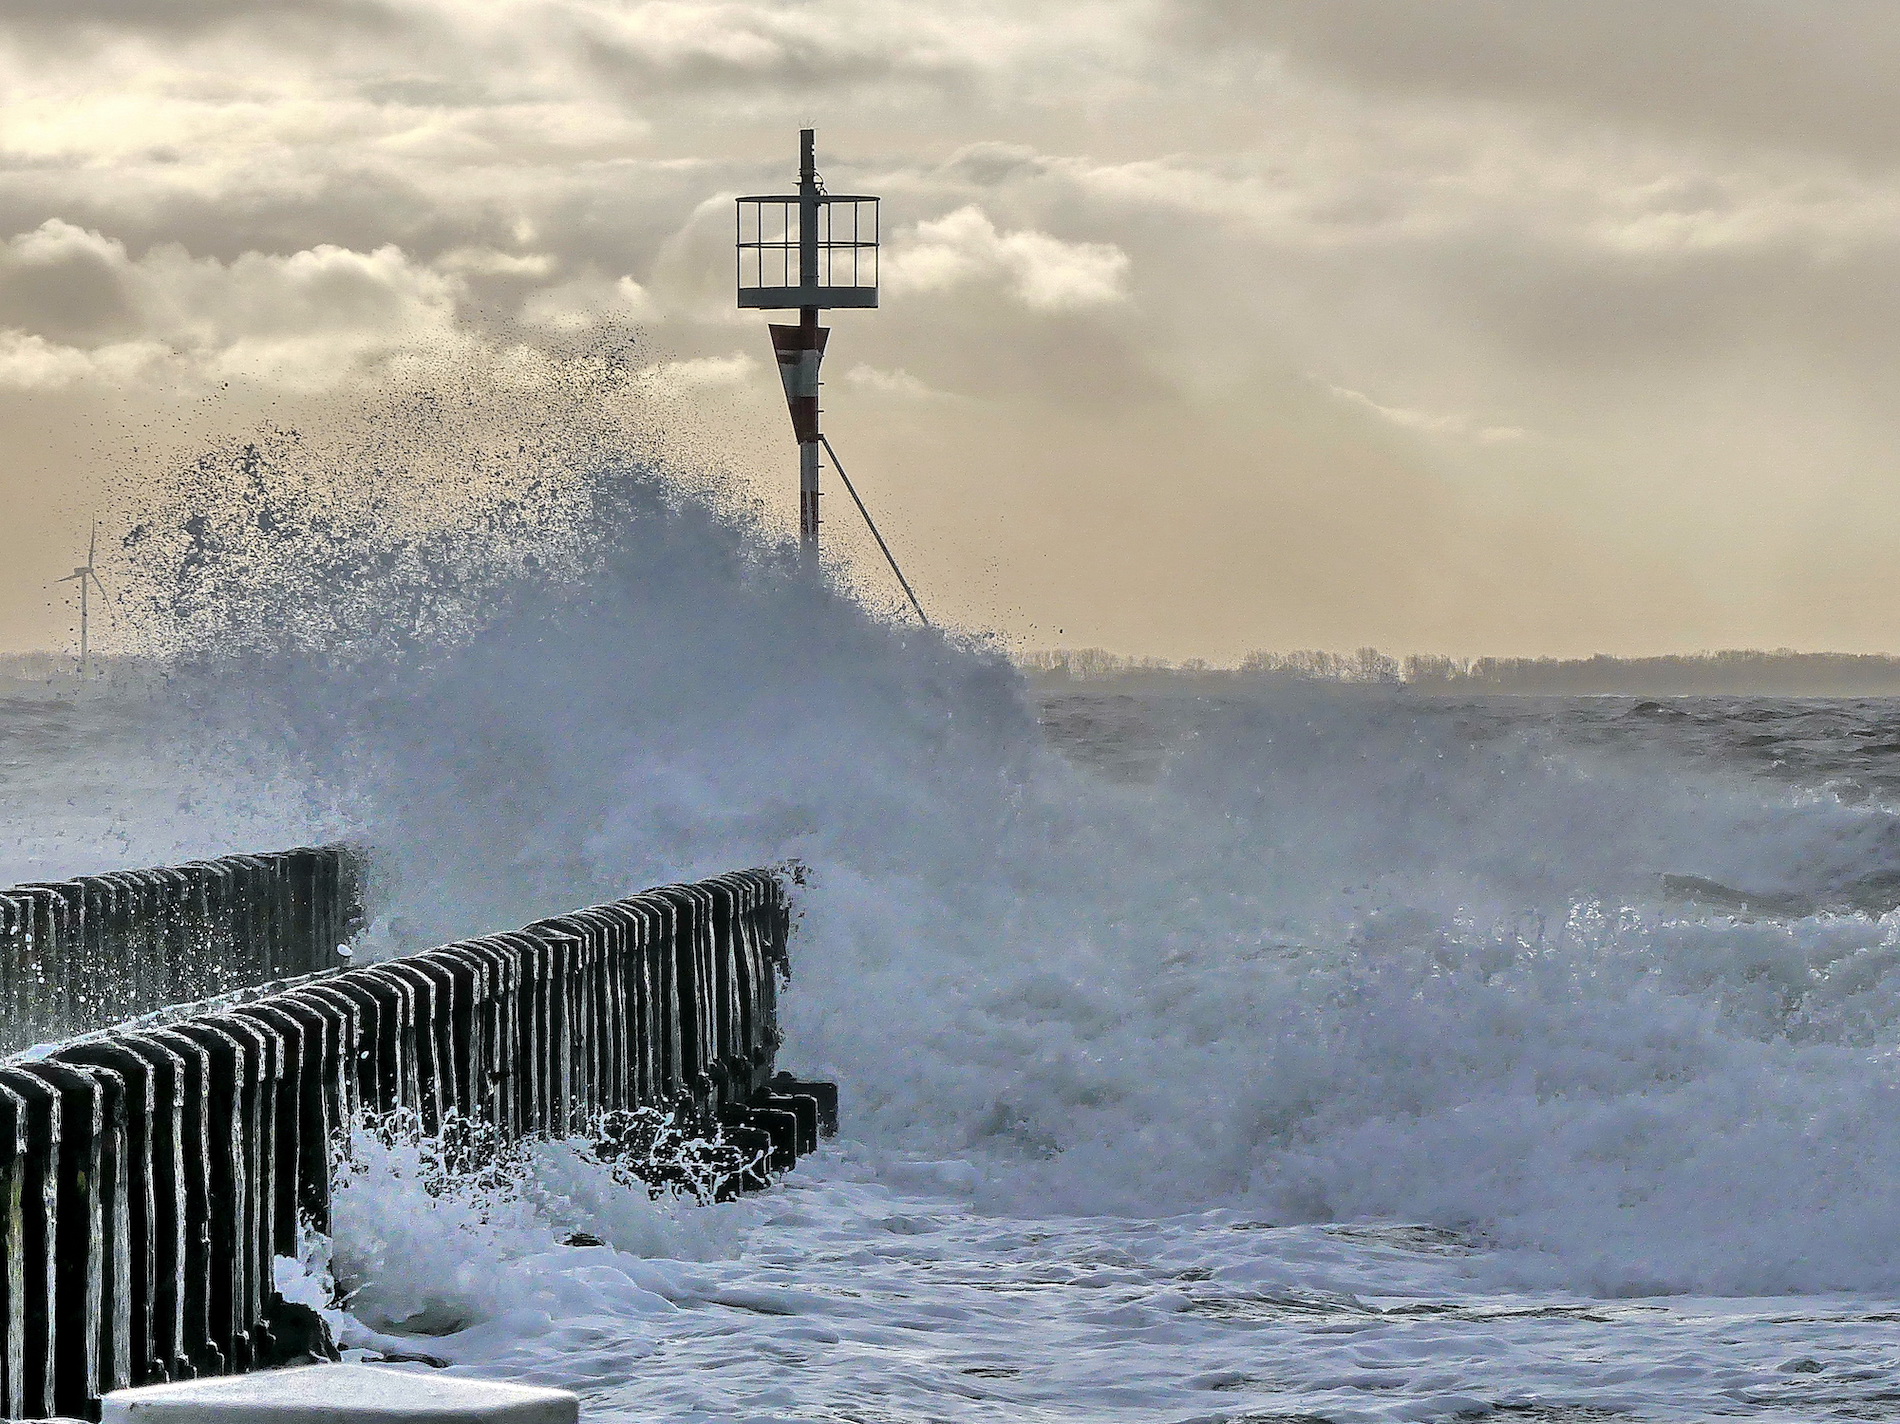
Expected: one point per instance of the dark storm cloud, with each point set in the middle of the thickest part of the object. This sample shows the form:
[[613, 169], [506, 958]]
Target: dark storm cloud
[[760, 58], [1819, 74], [353, 206], [67, 24], [991, 165], [67, 290]]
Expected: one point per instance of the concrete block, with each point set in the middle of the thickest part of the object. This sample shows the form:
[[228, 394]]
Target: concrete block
[[340, 1394]]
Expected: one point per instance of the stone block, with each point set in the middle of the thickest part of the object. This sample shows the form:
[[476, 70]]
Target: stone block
[[340, 1394]]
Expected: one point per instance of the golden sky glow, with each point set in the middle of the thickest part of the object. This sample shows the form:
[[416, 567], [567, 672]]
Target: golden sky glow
[[1479, 326]]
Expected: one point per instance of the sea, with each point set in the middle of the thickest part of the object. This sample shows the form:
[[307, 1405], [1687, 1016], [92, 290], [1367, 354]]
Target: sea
[[1210, 1049]]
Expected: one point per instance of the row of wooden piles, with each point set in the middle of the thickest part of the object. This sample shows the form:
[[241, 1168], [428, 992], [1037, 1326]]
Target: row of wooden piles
[[151, 1173]]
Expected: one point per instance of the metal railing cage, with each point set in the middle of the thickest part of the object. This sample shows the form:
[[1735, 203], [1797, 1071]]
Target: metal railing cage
[[768, 252]]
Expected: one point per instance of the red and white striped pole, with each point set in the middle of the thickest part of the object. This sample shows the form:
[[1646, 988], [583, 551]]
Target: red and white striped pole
[[800, 348]]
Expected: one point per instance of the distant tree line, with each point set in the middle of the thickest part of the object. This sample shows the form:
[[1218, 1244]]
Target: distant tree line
[[1732, 670], [1082, 663], [1738, 671], [1311, 665]]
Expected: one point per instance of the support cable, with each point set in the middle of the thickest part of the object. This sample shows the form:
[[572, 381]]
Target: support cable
[[871, 524]]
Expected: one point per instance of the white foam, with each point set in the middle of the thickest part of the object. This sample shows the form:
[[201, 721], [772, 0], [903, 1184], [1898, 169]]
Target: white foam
[[852, 1299], [1341, 959]]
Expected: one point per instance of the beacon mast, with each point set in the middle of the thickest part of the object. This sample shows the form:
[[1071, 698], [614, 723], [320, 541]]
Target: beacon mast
[[809, 250]]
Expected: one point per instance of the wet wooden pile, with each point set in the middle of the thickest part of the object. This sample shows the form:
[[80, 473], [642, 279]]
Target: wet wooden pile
[[149, 1174], [77, 955]]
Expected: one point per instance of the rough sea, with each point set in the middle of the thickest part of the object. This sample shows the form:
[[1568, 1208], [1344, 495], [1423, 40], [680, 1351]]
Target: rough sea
[[1208, 1051]]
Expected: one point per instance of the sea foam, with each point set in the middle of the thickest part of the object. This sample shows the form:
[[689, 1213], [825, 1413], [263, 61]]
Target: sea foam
[[1337, 960]]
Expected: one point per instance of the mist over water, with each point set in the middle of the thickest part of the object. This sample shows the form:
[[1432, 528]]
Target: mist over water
[[1339, 959]]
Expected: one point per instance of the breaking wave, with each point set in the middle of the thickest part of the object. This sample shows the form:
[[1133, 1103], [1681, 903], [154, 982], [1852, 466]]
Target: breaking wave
[[1337, 960]]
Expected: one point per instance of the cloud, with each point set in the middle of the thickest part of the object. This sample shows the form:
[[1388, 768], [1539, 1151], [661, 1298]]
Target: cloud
[[588, 302], [65, 284], [896, 384], [487, 262], [307, 320], [1459, 427], [1785, 73], [1043, 272], [73, 21], [1662, 236], [703, 372], [29, 362], [754, 51], [738, 45]]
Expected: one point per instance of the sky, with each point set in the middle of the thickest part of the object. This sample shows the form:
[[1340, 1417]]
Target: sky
[[1470, 326]]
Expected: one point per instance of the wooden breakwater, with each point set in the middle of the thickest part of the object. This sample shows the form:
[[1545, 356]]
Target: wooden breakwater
[[77, 955], [150, 1174]]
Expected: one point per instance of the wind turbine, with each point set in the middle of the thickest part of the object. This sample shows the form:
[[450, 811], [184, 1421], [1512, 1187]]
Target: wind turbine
[[88, 579]]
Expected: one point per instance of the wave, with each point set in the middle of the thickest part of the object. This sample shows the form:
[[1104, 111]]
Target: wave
[[1335, 960]]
